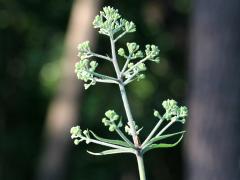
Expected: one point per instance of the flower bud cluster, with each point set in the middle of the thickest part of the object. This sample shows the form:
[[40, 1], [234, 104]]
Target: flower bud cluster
[[84, 70], [78, 135], [110, 120], [84, 50], [128, 129], [136, 71], [152, 53], [110, 22], [174, 112], [133, 51]]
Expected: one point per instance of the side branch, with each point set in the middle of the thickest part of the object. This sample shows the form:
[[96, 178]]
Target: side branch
[[135, 65], [101, 56], [120, 36]]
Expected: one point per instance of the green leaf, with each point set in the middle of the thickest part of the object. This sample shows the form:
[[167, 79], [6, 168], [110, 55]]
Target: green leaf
[[111, 141], [161, 145], [158, 138], [111, 151]]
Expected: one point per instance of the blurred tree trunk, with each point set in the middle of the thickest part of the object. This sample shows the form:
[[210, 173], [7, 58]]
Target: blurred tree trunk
[[212, 143], [64, 108]]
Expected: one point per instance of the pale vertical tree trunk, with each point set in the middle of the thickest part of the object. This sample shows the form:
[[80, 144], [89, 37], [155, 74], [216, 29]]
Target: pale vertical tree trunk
[[212, 144], [64, 108]]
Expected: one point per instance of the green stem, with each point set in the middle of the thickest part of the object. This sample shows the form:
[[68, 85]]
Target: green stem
[[124, 95], [103, 76], [101, 56], [124, 137], [121, 35], [128, 112], [135, 65], [152, 132], [141, 168], [165, 128]]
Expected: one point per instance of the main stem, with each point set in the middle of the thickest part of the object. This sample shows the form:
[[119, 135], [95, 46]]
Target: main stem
[[128, 112], [141, 168]]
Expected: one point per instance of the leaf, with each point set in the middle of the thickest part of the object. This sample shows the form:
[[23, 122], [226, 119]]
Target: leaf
[[161, 145], [111, 141], [158, 138], [139, 130], [110, 151]]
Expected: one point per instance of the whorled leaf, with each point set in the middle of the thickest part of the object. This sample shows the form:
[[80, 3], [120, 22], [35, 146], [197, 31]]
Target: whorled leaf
[[158, 138], [111, 151], [161, 145], [111, 141]]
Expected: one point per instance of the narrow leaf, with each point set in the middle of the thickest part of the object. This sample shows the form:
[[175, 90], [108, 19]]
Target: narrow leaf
[[158, 138], [111, 141], [161, 145], [110, 151]]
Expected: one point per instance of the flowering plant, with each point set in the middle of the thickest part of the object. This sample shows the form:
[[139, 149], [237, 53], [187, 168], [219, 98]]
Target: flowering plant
[[110, 23]]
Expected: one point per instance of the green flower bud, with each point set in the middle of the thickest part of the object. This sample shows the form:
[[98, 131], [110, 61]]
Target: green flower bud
[[76, 141], [110, 113], [84, 47], [130, 26], [115, 117], [93, 64], [105, 121], [121, 52], [169, 104], [156, 114], [127, 130], [183, 112], [112, 127], [132, 47], [140, 77], [109, 22], [75, 131], [141, 67], [152, 52], [139, 54]]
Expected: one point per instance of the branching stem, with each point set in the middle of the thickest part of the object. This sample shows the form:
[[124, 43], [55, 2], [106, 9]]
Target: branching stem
[[165, 128], [103, 76], [121, 35], [135, 65], [101, 56], [124, 137], [128, 110], [125, 65], [152, 132]]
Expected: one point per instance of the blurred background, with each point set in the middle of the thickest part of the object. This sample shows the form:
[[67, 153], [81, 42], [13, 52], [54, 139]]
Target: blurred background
[[41, 99]]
